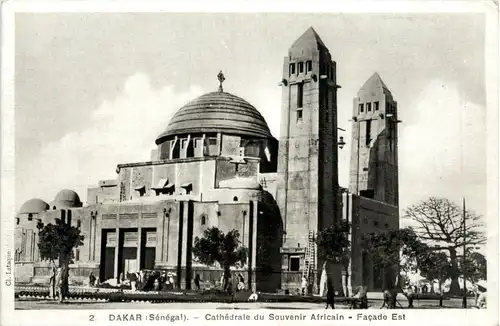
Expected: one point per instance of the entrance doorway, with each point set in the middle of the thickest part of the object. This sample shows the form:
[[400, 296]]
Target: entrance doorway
[[148, 245], [108, 247], [128, 255]]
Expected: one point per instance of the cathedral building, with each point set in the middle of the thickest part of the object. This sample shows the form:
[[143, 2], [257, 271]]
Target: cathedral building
[[217, 164]]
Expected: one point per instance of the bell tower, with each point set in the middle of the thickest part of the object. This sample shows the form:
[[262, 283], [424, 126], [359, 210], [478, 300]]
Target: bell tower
[[374, 148], [307, 163]]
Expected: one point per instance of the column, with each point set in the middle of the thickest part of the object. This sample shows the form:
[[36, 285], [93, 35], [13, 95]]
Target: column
[[160, 237], [184, 242], [139, 245], [253, 235], [139, 239], [117, 250]]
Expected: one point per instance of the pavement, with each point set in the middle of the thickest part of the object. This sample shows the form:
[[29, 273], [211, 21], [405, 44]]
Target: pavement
[[36, 304]]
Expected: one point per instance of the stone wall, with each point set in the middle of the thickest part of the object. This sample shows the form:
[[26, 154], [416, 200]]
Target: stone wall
[[366, 216]]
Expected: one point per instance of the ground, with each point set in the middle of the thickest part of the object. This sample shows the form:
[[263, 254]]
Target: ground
[[78, 304]]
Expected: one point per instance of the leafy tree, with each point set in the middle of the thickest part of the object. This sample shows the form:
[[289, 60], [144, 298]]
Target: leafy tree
[[439, 222], [435, 266], [334, 245], [57, 243], [475, 266], [224, 249], [388, 249]]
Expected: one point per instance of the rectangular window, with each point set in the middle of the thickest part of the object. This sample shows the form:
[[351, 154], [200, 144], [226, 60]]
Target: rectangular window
[[301, 67], [299, 115], [361, 108], [294, 264], [375, 106], [212, 141], [368, 132], [309, 66], [77, 254], [292, 69], [368, 107], [300, 95]]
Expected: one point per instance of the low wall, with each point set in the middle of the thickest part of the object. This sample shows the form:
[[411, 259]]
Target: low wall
[[23, 272], [78, 275]]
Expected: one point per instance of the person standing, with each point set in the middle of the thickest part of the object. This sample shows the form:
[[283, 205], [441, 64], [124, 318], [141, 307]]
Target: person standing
[[303, 285], [133, 281], [91, 279], [52, 284], [330, 295], [197, 281], [59, 284]]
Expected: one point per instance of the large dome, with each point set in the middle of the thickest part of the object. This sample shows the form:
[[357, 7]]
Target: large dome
[[33, 206], [67, 198], [217, 112]]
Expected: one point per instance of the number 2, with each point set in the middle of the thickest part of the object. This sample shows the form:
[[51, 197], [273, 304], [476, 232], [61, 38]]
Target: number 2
[[91, 317]]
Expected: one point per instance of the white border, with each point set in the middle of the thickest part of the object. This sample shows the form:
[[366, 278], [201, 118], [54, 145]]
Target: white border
[[80, 317]]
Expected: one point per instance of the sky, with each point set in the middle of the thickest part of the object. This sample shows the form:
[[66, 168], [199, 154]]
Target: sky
[[93, 90]]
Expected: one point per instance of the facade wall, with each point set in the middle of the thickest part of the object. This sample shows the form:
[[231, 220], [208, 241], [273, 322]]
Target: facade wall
[[367, 216]]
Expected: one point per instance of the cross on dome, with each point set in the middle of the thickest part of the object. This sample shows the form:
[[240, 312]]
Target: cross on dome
[[221, 79]]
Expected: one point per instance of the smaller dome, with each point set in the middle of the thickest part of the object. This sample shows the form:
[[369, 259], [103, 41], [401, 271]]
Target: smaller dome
[[67, 198], [33, 206]]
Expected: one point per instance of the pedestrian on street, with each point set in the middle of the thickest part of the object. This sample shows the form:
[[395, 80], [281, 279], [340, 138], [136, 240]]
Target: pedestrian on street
[[303, 285], [330, 295], [197, 281]]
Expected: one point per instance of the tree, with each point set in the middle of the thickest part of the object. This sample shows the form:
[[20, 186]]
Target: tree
[[224, 249], [392, 248], [334, 245], [435, 266], [57, 243], [475, 266], [439, 222]]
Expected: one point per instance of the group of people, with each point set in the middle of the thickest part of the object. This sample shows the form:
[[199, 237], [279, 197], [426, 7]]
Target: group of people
[[161, 281], [150, 280], [237, 280]]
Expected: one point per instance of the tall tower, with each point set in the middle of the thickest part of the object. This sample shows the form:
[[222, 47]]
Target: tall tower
[[307, 162], [374, 149]]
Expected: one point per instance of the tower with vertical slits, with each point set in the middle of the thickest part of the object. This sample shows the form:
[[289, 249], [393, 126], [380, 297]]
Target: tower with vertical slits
[[308, 158], [374, 155]]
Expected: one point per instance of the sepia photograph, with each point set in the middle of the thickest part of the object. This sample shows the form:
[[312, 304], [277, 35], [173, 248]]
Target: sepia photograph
[[250, 160]]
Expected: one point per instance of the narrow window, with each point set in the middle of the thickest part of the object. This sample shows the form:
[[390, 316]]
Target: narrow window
[[368, 132], [361, 108], [309, 66], [203, 220], [292, 69], [77, 254], [235, 198], [368, 107], [30, 217], [299, 115], [301, 67], [78, 223], [376, 106], [300, 95]]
